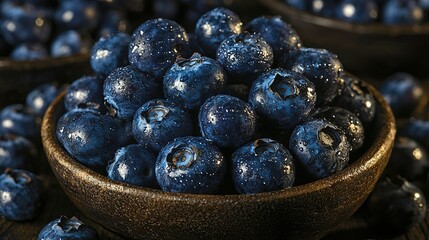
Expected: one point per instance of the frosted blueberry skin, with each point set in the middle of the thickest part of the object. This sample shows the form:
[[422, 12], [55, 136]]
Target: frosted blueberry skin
[[282, 38], [395, 205], [227, 121], [320, 148], [85, 93], [356, 98], [263, 165], [214, 27], [156, 44], [70, 43], [17, 153], [26, 24], [109, 52], [91, 138], [159, 121], [126, 89], [190, 165], [82, 16], [346, 121], [357, 11], [408, 159], [244, 57], [416, 129], [189, 82], [402, 92], [402, 12], [112, 22], [29, 52], [18, 119], [39, 99], [322, 68], [283, 97], [237, 90], [134, 164], [67, 229], [299, 4], [22, 195]]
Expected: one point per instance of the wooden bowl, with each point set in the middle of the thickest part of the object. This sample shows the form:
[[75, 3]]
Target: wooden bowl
[[308, 211], [18, 78], [374, 49]]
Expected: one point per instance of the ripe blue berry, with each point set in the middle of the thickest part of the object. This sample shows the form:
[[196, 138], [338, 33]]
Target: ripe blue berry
[[134, 164], [17, 152], [402, 12], [67, 229], [227, 121], [357, 11], [283, 97], [126, 89], [418, 130], [85, 93], [244, 57], [261, 166], [190, 165], [19, 120], [156, 44], [320, 148], [159, 121], [324, 7], [82, 16], [215, 26], [39, 99], [70, 43], [189, 82], [29, 51], [21, 195]]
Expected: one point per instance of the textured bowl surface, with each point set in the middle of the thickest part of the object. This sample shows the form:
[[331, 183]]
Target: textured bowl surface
[[17, 78], [307, 211], [375, 49]]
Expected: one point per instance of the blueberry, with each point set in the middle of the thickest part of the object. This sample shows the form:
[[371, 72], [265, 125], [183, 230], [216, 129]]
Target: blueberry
[[238, 90], [356, 98], [91, 138], [159, 121], [417, 130], [21, 195], [109, 52], [227, 121], [190, 165], [113, 21], [67, 229], [261, 166], [189, 82], [299, 4], [324, 7], [126, 89], [282, 38], [283, 97], [214, 27], [17, 152], [29, 52], [39, 99], [244, 57], [357, 11], [82, 16], [134, 164], [402, 12], [408, 159], [346, 121], [85, 92], [19, 120], [322, 68], [26, 25], [70, 43], [402, 92], [320, 148], [156, 44], [395, 205]]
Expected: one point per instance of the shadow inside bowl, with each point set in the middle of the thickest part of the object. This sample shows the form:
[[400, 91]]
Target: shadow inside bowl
[[307, 211]]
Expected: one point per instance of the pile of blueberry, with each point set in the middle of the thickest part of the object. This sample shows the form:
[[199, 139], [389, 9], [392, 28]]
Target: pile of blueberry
[[229, 108], [37, 29], [367, 11]]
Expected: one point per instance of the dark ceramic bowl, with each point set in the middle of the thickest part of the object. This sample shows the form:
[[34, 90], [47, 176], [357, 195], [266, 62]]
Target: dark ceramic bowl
[[17, 78], [372, 49], [307, 211]]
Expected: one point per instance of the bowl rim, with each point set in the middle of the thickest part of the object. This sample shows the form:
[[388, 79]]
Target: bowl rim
[[7, 64], [360, 28], [56, 153]]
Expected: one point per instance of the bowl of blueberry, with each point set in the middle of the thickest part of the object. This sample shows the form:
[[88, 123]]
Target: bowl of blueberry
[[230, 131], [372, 36], [44, 41]]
